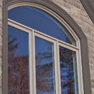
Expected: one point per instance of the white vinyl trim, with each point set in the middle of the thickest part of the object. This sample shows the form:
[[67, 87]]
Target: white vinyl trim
[[33, 63], [79, 70], [30, 64], [58, 66]]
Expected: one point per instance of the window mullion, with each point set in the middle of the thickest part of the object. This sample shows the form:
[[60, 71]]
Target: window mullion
[[30, 63], [58, 67], [33, 64]]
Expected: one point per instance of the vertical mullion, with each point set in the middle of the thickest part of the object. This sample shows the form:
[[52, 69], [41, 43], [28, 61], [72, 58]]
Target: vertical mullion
[[33, 64], [58, 68], [30, 63], [55, 68]]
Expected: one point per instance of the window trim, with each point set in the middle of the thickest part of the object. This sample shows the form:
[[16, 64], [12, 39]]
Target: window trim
[[61, 13]]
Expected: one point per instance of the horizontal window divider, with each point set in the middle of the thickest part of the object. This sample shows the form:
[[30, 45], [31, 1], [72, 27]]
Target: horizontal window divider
[[44, 36], [68, 46], [19, 26], [49, 38], [40, 34], [62, 42]]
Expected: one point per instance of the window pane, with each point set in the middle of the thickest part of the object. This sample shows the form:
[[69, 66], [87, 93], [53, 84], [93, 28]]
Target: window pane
[[45, 78], [18, 63], [41, 21], [68, 71]]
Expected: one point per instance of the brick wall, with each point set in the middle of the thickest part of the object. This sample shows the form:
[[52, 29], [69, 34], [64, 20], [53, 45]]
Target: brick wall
[[75, 9]]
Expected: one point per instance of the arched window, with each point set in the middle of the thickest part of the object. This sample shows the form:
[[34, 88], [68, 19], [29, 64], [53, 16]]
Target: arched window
[[44, 52]]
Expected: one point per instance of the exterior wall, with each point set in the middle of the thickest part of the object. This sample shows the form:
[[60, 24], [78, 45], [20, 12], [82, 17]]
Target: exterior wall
[[75, 9], [92, 2]]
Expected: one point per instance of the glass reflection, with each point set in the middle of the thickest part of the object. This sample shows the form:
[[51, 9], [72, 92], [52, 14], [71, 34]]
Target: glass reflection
[[45, 83], [67, 69], [18, 67], [41, 21]]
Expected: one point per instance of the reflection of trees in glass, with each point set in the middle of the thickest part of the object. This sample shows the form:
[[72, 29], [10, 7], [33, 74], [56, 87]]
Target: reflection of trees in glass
[[68, 40], [67, 73], [17, 70], [43, 75], [44, 71], [18, 77]]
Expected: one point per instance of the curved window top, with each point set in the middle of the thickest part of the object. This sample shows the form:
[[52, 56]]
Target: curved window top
[[41, 21]]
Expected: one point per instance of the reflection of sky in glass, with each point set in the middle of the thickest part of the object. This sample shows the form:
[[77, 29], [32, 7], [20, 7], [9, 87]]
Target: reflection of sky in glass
[[22, 40], [18, 76], [44, 67], [68, 84], [41, 21]]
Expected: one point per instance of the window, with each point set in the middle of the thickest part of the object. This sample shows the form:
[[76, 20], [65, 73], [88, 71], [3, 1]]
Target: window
[[48, 53], [43, 52]]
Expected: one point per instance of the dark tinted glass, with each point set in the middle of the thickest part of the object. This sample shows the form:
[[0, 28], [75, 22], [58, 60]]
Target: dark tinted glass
[[18, 64], [41, 21], [45, 80], [68, 71]]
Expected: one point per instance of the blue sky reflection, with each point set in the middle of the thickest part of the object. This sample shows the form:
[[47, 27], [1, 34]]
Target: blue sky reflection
[[41, 21]]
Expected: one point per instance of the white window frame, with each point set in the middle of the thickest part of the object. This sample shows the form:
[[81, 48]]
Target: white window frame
[[32, 33]]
